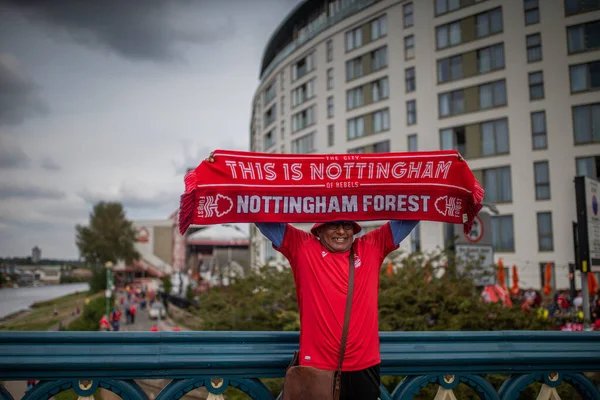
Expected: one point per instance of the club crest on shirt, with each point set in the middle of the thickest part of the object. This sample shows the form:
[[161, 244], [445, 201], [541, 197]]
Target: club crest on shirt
[[357, 261], [324, 253]]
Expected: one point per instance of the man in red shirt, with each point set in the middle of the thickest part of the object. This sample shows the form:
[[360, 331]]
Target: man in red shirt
[[319, 262]]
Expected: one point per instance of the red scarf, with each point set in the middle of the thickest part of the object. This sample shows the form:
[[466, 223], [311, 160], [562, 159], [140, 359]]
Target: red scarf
[[237, 186]]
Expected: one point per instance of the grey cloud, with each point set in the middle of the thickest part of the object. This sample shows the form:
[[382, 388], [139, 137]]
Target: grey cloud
[[191, 159], [132, 199], [140, 30], [50, 165], [18, 94], [12, 157], [11, 190]]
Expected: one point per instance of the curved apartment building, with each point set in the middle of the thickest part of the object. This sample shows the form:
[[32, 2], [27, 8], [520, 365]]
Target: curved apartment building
[[511, 84]]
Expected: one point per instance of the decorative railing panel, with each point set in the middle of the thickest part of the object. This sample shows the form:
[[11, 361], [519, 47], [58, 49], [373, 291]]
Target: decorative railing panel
[[86, 361]]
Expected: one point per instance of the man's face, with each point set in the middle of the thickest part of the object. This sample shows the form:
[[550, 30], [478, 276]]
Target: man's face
[[337, 237]]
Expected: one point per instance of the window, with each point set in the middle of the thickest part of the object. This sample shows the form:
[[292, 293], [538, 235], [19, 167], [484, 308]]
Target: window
[[494, 137], [270, 115], [382, 147], [490, 58], [497, 185], [270, 93], [544, 227], [586, 123], [269, 139], [356, 128], [330, 107], [410, 79], [532, 12], [411, 112], [354, 69], [412, 142], [580, 6], [534, 47], [588, 166], [303, 67], [303, 119], [488, 23], [585, 77], [450, 69], [354, 98], [503, 235], [492, 94], [448, 35], [281, 81], [304, 144], [480, 26], [454, 139], [451, 103], [378, 59], [282, 108], [378, 28], [354, 39], [379, 147], [329, 50], [409, 47], [583, 37], [408, 15], [330, 79], [330, 135], [446, 6], [282, 132], [303, 93], [536, 85], [269, 252], [380, 90], [542, 180], [538, 130], [381, 121], [415, 239]]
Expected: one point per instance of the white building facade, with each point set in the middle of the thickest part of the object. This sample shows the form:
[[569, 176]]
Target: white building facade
[[511, 84]]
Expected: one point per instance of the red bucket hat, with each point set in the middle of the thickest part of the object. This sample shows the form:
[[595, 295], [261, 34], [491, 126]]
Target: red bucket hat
[[316, 226]]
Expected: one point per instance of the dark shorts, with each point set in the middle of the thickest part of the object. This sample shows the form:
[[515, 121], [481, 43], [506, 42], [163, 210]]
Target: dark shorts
[[361, 385]]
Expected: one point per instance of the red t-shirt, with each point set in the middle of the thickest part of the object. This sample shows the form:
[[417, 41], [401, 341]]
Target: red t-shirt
[[321, 281]]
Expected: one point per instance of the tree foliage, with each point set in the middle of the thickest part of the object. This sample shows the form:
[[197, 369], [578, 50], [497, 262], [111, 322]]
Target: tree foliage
[[108, 237], [450, 301]]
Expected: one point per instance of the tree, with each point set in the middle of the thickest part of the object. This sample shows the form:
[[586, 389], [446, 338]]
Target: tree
[[108, 237]]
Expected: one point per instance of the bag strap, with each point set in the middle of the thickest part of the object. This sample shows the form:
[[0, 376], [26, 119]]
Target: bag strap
[[348, 308]]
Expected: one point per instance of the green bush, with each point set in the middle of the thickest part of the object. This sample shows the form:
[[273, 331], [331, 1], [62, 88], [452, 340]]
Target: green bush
[[91, 315]]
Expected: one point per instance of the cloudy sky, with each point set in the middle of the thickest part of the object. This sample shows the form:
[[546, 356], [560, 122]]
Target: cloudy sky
[[112, 100]]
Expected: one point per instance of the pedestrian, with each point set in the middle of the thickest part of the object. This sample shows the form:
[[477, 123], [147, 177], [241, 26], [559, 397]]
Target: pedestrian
[[127, 308], [154, 328], [132, 311], [115, 319], [321, 262], [104, 324]]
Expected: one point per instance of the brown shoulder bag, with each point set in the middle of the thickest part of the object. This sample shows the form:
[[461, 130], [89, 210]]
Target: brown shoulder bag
[[302, 382]]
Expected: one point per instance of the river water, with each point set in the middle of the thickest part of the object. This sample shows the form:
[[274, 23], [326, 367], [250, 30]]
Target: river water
[[17, 299]]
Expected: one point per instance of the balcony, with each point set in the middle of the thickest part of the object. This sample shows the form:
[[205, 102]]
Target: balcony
[[85, 361]]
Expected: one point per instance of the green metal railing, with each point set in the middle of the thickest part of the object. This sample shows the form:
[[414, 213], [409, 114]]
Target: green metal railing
[[85, 361]]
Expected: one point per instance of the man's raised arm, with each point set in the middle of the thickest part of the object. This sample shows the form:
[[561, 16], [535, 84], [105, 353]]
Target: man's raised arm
[[274, 231], [401, 229]]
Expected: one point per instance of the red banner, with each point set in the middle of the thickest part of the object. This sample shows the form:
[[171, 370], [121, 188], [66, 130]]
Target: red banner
[[235, 186]]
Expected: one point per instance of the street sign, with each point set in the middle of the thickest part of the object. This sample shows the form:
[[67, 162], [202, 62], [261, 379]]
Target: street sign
[[481, 232], [478, 255], [592, 194], [476, 247]]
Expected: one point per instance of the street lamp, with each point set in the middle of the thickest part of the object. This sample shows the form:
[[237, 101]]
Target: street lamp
[[108, 265]]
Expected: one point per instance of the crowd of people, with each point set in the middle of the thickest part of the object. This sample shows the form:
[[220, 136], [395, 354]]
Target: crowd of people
[[563, 308], [130, 300]]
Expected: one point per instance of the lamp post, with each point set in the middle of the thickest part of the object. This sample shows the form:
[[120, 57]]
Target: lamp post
[[108, 265]]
